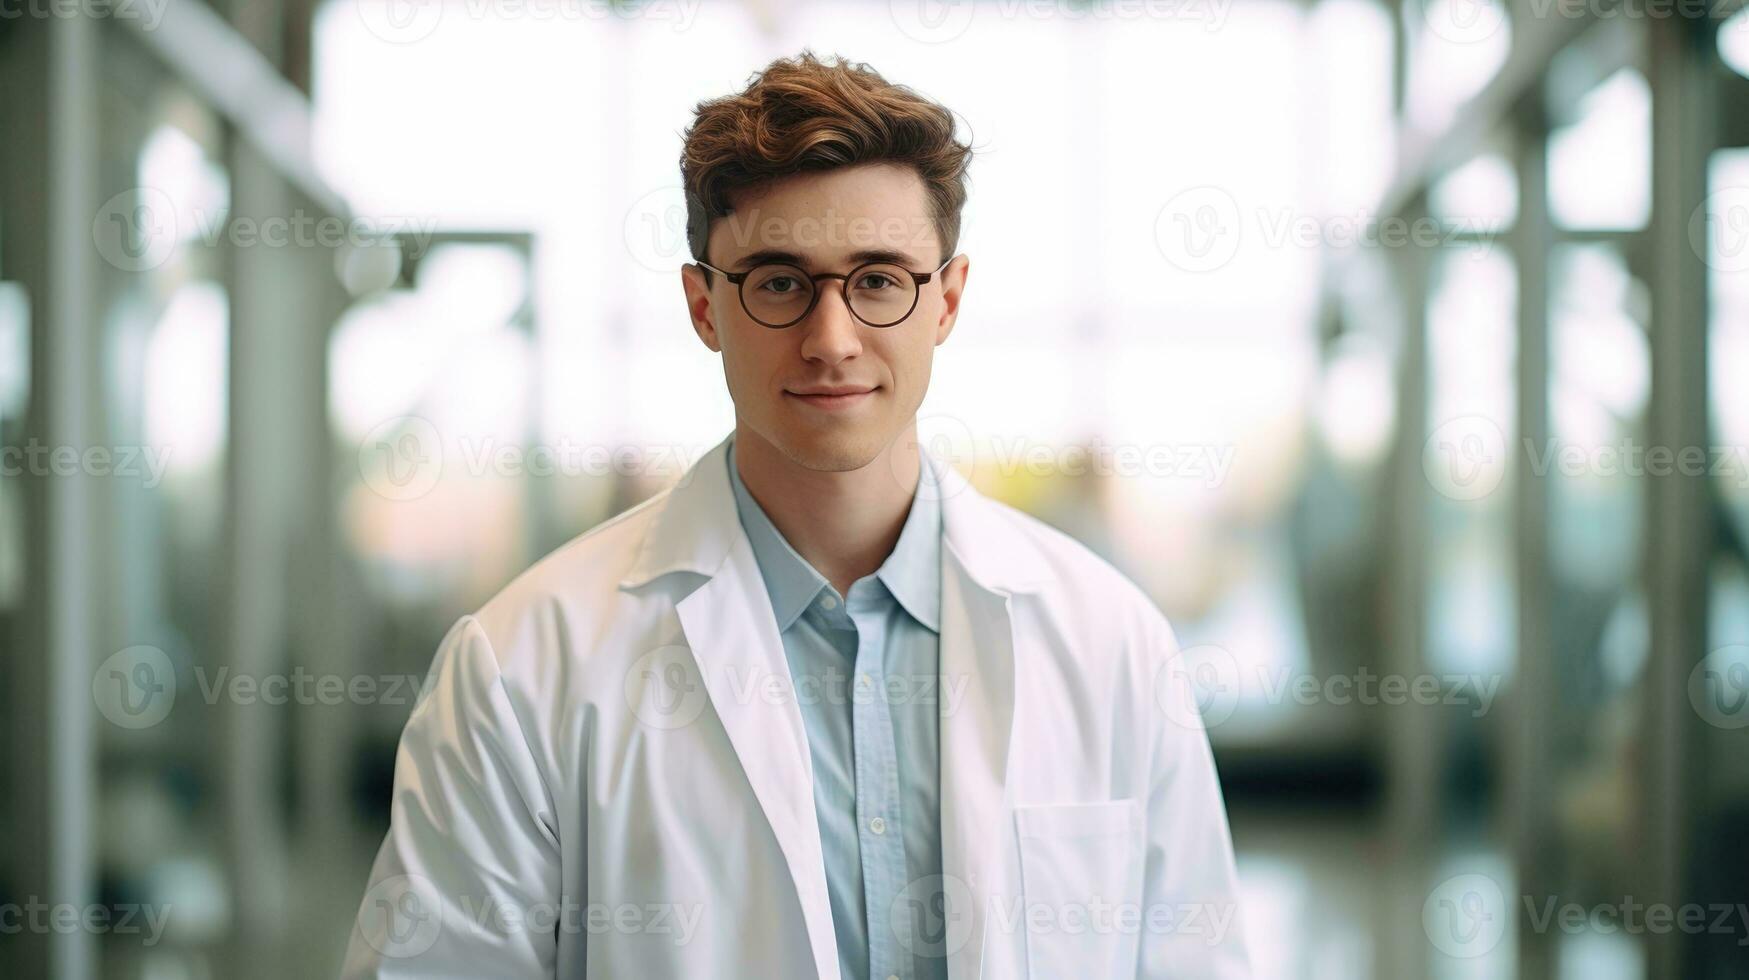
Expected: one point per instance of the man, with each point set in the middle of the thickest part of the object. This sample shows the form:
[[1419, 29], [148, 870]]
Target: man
[[821, 709]]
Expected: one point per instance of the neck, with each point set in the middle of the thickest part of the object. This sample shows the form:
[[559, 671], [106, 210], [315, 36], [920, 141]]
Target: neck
[[843, 522]]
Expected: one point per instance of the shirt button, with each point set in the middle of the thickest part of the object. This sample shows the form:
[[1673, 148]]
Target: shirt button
[[828, 601], [878, 825], [864, 679]]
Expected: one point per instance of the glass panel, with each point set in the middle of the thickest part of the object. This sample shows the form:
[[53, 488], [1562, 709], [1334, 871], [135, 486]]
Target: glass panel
[[1472, 350], [1357, 408], [1349, 44], [1480, 197], [432, 398], [1470, 625], [1600, 164], [1725, 240], [165, 337], [1718, 687], [1456, 48], [14, 396], [1734, 42], [1595, 466]]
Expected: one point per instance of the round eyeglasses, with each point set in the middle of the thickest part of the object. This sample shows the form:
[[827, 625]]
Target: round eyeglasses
[[781, 294]]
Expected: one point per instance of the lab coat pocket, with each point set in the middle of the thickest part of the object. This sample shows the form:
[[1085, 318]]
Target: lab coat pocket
[[1081, 878]]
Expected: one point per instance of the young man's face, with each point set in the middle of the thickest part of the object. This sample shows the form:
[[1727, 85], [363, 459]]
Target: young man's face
[[825, 221]]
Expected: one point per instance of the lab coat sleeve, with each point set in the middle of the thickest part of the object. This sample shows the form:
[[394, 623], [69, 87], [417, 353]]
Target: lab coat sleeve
[[1192, 920], [467, 881]]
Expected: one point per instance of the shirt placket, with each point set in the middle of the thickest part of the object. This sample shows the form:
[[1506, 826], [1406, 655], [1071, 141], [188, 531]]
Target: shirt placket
[[880, 831]]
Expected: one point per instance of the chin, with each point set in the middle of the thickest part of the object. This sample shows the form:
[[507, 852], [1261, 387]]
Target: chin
[[832, 451]]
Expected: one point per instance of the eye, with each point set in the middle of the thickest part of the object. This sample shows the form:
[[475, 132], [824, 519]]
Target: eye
[[877, 280], [787, 281]]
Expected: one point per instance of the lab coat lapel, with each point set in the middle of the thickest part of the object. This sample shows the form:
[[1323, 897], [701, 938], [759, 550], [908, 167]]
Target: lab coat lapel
[[984, 565], [733, 635], [977, 646], [730, 628]]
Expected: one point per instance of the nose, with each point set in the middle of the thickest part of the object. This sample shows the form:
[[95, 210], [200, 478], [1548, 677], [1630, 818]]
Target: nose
[[829, 332]]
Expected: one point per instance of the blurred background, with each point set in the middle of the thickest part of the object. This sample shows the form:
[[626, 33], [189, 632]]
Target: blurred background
[[1399, 349]]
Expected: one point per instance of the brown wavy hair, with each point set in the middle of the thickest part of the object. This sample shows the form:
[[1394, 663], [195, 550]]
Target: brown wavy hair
[[800, 115]]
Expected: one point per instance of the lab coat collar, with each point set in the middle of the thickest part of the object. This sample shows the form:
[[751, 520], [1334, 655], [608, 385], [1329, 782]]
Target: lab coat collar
[[697, 526]]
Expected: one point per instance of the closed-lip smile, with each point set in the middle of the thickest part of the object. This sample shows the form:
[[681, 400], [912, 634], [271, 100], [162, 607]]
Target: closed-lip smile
[[832, 396]]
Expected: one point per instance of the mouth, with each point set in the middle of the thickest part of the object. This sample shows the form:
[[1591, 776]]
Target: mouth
[[834, 399]]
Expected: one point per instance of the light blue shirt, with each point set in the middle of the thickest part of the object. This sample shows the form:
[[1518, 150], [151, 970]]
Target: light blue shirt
[[866, 669]]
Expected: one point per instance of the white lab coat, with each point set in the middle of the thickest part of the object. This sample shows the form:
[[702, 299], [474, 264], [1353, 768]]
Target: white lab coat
[[607, 774]]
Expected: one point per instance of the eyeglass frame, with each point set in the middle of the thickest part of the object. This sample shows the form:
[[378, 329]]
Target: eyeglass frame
[[736, 279]]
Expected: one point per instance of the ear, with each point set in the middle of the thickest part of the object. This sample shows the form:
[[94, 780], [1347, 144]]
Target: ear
[[953, 287], [698, 306]]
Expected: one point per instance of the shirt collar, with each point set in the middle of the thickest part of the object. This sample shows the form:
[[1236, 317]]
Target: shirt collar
[[912, 572]]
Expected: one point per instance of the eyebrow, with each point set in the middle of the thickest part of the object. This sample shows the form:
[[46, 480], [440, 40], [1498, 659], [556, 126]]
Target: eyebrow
[[747, 262]]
